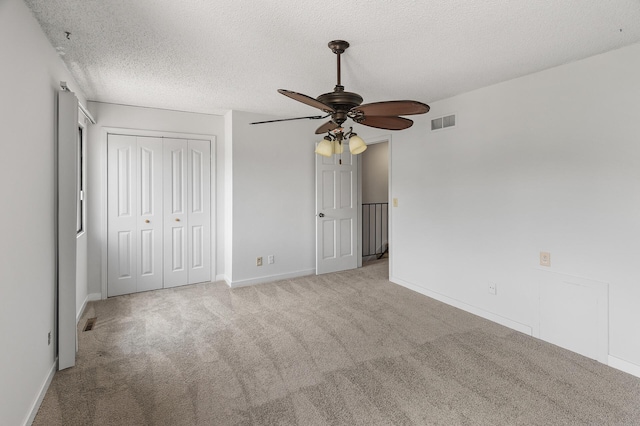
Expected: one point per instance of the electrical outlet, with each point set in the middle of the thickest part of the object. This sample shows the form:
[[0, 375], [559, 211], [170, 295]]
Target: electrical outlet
[[545, 258], [271, 259], [259, 261], [49, 338], [493, 288]]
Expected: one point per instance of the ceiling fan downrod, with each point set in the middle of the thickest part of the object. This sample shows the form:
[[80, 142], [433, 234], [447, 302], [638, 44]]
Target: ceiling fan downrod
[[338, 47]]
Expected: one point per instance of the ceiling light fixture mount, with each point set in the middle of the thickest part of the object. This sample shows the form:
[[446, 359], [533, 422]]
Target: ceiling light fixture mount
[[338, 46]]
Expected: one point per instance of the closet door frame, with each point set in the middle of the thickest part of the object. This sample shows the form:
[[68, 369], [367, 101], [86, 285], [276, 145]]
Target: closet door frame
[[106, 131]]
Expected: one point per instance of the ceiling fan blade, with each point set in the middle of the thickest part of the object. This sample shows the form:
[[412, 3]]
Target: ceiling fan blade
[[389, 123], [312, 117], [326, 127], [307, 100], [390, 108]]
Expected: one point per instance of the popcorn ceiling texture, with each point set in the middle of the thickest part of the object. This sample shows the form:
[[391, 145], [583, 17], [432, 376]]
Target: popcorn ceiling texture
[[213, 56]]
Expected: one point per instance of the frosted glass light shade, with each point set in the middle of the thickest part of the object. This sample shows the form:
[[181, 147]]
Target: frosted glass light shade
[[356, 144], [325, 148], [338, 148]]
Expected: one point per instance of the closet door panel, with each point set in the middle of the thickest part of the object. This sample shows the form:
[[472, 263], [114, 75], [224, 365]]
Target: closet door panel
[[150, 226], [122, 215], [175, 163], [199, 211]]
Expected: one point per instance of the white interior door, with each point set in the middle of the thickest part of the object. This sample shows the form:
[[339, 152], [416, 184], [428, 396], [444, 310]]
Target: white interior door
[[336, 213], [187, 212], [134, 240]]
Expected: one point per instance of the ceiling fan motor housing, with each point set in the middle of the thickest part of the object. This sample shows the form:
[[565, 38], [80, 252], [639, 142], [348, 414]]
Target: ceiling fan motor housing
[[341, 102]]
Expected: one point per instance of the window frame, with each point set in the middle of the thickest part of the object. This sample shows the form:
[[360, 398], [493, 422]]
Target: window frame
[[81, 211]]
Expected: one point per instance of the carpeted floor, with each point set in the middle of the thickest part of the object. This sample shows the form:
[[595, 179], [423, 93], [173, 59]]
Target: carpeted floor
[[339, 349]]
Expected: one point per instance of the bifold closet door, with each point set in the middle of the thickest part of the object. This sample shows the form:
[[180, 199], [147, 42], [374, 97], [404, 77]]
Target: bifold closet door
[[134, 240], [187, 212]]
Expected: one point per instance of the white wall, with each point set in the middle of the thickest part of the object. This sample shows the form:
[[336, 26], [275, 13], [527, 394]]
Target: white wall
[[138, 118], [547, 162], [273, 196], [31, 71]]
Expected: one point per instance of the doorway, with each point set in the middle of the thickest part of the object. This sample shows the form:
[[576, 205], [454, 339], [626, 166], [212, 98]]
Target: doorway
[[375, 200]]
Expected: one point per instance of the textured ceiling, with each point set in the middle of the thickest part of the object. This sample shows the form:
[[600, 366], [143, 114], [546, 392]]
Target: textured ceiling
[[212, 56]]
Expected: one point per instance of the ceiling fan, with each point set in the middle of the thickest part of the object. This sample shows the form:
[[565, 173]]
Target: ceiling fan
[[341, 105]]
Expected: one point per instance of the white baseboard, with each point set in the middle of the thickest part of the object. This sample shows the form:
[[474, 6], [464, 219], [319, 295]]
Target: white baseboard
[[43, 391], [269, 278], [522, 328], [220, 277], [227, 280], [622, 365], [92, 297]]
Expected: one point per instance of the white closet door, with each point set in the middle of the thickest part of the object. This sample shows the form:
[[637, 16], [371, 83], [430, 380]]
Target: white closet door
[[199, 211], [134, 238], [187, 212], [159, 213], [122, 235], [149, 207], [175, 212]]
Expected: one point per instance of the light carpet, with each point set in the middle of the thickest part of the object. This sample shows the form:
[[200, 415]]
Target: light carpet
[[347, 348]]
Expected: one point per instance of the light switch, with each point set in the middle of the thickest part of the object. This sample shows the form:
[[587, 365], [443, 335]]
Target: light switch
[[395, 202]]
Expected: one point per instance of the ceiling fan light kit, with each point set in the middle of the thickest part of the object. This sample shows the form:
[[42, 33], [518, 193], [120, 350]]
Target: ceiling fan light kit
[[333, 143], [326, 147], [342, 105], [357, 145]]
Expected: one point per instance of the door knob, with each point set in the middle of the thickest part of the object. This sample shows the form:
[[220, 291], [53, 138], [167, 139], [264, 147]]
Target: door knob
[[147, 221], [177, 220], [321, 215]]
